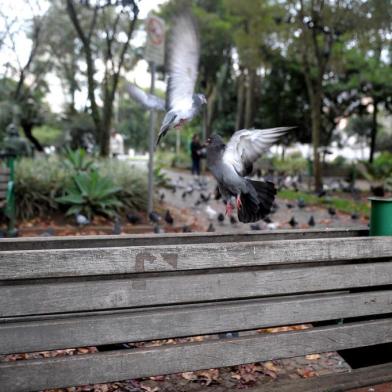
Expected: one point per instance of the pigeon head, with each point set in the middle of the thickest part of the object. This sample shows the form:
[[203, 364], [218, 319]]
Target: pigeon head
[[199, 99], [215, 141]]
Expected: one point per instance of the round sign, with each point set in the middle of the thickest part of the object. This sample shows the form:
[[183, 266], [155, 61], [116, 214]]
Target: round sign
[[155, 31]]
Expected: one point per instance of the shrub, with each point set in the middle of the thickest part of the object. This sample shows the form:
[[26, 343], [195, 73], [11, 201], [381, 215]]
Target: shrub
[[40, 181], [37, 184], [91, 194], [78, 160], [131, 180]]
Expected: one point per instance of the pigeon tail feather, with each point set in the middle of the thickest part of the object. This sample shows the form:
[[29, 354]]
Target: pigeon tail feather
[[166, 125], [253, 210]]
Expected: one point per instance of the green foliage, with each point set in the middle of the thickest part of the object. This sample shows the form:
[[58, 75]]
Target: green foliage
[[37, 184], [168, 159], [341, 204], [131, 181], [48, 135], [340, 161], [133, 123], [40, 182], [382, 165], [78, 160], [80, 126], [91, 194], [291, 165]]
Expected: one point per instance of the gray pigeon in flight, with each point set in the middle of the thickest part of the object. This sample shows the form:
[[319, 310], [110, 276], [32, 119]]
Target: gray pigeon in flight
[[230, 164], [183, 61], [148, 101]]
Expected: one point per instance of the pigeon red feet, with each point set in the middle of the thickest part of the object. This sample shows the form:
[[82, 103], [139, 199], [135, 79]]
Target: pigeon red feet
[[239, 202], [229, 209]]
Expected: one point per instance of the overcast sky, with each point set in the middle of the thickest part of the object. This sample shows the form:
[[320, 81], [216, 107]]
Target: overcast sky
[[21, 10]]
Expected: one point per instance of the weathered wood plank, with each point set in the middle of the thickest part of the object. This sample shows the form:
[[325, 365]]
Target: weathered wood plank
[[56, 297], [105, 261], [125, 364], [4, 177], [71, 242], [4, 170], [336, 382], [181, 321]]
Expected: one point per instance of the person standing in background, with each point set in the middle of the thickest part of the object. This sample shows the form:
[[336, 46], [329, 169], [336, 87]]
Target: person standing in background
[[116, 144]]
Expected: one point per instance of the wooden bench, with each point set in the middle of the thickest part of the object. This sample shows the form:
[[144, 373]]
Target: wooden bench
[[88, 291]]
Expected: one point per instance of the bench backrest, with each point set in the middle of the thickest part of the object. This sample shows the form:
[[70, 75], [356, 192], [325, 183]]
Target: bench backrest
[[66, 293]]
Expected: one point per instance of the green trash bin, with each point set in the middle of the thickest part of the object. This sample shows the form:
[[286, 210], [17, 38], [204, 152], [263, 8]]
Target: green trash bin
[[381, 216]]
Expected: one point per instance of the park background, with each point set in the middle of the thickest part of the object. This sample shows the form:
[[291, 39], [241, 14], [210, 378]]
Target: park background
[[324, 67]]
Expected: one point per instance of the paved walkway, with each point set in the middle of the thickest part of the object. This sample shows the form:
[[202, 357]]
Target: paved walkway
[[187, 202]]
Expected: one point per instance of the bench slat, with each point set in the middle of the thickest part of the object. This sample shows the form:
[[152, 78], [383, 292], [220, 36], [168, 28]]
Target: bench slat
[[61, 297], [101, 241], [79, 262], [335, 382], [179, 321], [44, 373]]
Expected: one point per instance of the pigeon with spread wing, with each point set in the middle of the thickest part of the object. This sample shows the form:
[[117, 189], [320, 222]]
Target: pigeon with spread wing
[[148, 101], [230, 164], [183, 61]]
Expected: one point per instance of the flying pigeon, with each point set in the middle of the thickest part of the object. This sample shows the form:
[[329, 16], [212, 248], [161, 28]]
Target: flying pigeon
[[183, 61], [230, 164], [148, 101]]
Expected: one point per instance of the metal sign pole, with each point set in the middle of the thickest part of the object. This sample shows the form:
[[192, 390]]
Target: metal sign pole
[[151, 146]]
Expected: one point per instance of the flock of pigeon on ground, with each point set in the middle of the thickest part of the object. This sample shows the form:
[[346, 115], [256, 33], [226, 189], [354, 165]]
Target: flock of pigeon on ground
[[199, 196], [230, 163]]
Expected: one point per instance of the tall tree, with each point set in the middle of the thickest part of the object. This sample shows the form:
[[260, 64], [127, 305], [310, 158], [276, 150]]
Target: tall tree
[[100, 26], [317, 26], [28, 72]]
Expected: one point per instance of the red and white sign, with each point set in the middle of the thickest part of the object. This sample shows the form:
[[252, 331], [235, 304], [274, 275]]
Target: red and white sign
[[155, 46]]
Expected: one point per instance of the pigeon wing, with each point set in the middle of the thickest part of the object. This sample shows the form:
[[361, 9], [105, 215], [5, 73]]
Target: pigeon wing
[[246, 146], [149, 101], [183, 61]]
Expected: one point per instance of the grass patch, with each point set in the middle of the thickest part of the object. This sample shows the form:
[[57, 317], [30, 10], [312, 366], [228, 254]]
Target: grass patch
[[339, 203]]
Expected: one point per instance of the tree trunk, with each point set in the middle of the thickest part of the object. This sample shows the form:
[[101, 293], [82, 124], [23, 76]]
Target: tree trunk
[[211, 103], [316, 130], [104, 134], [249, 102], [28, 131], [373, 134], [239, 122]]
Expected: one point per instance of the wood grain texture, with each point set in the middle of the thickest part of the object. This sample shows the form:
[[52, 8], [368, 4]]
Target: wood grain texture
[[71, 242], [56, 297], [336, 382], [179, 321], [104, 261], [125, 364]]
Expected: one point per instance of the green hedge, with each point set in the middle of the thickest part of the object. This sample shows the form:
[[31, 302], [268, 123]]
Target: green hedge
[[39, 181]]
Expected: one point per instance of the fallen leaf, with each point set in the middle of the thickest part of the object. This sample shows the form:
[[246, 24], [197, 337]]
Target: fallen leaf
[[209, 375], [147, 388], [270, 366], [313, 357], [270, 373], [190, 376], [306, 373]]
